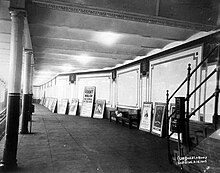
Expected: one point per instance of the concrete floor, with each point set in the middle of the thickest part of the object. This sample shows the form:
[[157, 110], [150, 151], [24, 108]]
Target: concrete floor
[[72, 144]]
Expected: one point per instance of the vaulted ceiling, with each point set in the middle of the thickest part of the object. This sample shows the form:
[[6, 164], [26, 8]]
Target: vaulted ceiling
[[65, 32]]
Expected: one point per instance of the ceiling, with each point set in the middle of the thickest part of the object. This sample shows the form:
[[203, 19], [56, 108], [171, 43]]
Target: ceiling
[[65, 32]]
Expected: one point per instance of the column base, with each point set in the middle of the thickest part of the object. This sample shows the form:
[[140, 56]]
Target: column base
[[24, 132], [25, 114], [8, 167]]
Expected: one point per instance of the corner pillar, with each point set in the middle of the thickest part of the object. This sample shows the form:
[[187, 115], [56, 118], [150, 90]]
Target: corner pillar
[[9, 160]]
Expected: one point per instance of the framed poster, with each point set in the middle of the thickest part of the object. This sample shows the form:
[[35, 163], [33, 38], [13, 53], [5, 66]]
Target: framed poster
[[145, 123], [88, 101], [54, 105], [73, 106], [46, 102], [99, 109], [62, 105], [174, 136], [50, 103], [158, 117]]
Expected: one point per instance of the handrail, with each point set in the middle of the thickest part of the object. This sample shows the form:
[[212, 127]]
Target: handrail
[[207, 100], [177, 89], [203, 61], [210, 75], [2, 115], [185, 80]]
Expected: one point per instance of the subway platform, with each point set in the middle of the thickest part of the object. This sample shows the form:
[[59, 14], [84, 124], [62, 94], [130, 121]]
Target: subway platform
[[72, 144]]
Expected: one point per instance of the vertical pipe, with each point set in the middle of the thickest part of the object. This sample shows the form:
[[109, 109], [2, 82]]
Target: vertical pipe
[[26, 92], [187, 137], [167, 127], [180, 150], [216, 116], [9, 160]]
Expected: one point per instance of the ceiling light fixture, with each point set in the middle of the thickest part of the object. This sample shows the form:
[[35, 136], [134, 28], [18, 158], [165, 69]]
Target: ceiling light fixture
[[107, 38], [66, 67], [84, 58]]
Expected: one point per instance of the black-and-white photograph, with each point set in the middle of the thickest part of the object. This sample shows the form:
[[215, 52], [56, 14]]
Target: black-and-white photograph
[[110, 86]]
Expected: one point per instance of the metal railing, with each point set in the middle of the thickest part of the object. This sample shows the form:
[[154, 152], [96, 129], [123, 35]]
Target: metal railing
[[188, 96], [2, 115]]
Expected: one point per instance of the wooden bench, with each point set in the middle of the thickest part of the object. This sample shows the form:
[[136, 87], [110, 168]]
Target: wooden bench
[[126, 116]]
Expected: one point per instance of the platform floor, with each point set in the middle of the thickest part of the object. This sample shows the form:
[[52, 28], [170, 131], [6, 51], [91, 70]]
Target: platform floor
[[72, 144]]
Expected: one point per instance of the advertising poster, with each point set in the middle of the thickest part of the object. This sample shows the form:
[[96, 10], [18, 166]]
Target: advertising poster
[[158, 117], [73, 107], [50, 103], [99, 109], [62, 105], [46, 102], [146, 113], [88, 101]]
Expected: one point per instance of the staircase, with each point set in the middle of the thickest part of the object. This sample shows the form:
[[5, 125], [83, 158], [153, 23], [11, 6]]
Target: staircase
[[197, 144]]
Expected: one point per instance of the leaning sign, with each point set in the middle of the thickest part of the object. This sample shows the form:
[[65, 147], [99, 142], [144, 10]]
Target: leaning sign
[[88, 101]]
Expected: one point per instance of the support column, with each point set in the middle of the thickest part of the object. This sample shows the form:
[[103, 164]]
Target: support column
[[14, 86], [26, 92], [31, 106]]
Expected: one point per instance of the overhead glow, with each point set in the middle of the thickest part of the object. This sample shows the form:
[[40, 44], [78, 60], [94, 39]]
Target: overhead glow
[[84, 58], [45, 72], [66, 67], [107, 38]]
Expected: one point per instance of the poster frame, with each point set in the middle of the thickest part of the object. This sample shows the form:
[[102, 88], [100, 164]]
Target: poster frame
[[73, 105], [99, 114], [155, 129], [87, 107], [147, 106], [54, 105], [62, 109]]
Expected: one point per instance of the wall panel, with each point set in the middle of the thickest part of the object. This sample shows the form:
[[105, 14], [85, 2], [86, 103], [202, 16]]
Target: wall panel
[[102, 82], [128, 87]]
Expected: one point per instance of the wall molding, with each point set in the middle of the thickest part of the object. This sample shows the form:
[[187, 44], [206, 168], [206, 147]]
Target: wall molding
[[77, 8]]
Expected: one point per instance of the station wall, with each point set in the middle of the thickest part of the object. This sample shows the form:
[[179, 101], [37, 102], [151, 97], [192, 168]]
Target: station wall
[[131, 88]]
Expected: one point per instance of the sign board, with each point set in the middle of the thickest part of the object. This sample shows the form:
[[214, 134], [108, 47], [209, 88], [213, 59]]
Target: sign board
[[73, 107], [146, 114], [99, 109], [158, 117], [62, 105], [88, 101]]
